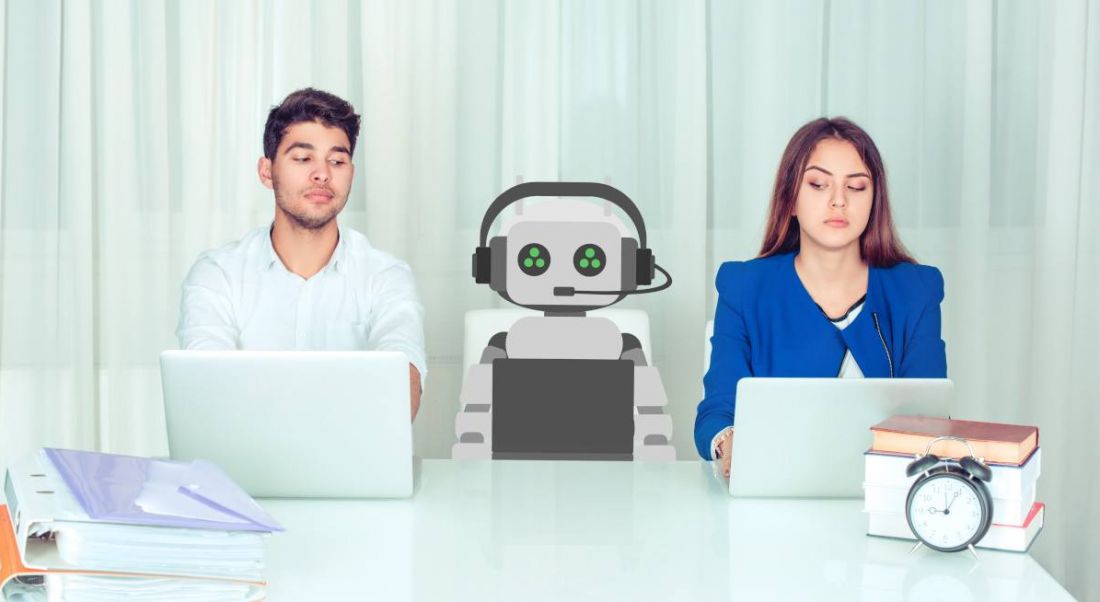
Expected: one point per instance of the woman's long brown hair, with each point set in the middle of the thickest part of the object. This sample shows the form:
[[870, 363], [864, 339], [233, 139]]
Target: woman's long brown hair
[[879, 244]]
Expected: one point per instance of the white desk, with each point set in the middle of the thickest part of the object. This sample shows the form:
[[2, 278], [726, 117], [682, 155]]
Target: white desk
[[528, 531]]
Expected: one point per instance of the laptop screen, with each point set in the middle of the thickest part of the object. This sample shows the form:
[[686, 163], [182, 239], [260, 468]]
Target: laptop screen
[[563, 409]]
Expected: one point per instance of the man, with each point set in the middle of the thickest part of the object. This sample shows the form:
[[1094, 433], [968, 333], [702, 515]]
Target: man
[[304, 282]]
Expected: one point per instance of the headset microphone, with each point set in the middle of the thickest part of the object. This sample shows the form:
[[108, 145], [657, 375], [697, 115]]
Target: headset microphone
[[568, 291]]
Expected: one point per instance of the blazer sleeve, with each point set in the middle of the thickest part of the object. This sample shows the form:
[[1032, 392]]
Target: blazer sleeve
[[729, 359], [925, 354]]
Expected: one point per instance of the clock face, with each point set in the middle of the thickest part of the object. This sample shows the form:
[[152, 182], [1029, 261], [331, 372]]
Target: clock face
[[946, 511]]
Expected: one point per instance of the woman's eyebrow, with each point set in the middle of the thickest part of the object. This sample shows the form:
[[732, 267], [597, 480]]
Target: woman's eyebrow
[[858, 174]]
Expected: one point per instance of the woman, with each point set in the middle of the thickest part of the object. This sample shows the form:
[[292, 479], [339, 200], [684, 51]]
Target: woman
[[833, 292]]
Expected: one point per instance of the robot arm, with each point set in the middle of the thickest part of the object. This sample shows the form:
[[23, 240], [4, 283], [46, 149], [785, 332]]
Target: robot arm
[[495, 349], [632, 350], [473, 425], [652, 426]]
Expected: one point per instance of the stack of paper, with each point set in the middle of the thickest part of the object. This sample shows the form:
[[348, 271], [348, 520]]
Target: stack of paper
[[90, 526], [90, 588]]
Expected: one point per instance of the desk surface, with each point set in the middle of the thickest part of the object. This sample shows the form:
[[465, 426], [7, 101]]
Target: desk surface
[[528, 531]]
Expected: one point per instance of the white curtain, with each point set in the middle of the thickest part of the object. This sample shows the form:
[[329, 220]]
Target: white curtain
[[988, 117], [130, 133]]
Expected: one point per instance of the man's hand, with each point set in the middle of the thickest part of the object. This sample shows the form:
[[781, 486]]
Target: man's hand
[[724, 447], [415, 391]]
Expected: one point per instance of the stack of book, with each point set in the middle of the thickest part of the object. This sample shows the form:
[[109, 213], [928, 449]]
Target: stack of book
[[88, 526], [1011, 451]]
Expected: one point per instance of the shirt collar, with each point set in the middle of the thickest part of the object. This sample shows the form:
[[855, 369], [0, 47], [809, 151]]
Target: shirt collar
[[272, 257], [337, 262], [339, 258]]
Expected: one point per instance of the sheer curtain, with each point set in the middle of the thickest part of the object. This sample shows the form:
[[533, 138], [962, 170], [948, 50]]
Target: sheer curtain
[[988, 117], [131, 130]]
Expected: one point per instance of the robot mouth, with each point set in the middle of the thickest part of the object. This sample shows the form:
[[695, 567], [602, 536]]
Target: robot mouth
[[563, 309]]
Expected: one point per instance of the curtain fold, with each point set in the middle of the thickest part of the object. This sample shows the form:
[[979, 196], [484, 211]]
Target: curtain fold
[[130, 133]]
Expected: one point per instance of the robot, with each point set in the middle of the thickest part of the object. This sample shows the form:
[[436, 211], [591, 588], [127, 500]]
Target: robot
[[564, 385]]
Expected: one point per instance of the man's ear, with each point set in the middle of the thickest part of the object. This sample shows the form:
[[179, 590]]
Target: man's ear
[[263, 168]]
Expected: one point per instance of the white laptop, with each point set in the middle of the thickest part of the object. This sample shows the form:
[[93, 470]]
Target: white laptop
[[294, 423], [805, 437]]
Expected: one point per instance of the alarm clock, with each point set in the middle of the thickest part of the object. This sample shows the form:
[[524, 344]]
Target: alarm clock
[[949, 507]]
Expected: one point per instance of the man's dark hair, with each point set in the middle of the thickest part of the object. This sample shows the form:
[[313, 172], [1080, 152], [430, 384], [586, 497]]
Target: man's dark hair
[[307, 105]]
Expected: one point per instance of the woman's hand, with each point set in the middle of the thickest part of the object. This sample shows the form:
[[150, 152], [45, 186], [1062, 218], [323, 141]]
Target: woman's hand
[[724, 447]]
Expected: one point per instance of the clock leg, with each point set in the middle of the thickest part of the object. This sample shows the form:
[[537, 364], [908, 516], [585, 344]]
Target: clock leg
[[973, 551], [914, 548]]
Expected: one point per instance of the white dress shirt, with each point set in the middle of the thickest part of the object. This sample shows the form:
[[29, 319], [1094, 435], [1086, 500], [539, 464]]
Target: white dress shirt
[[241, 296]]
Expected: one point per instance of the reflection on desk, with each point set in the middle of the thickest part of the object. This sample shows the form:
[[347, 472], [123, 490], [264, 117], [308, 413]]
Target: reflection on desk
[[513, 530]]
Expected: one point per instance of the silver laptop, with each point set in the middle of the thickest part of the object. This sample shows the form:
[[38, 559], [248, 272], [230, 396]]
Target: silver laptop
[[805, 437], [294, 423]]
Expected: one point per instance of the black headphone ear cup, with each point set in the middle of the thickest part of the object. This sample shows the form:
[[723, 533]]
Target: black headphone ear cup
[[976, 469], [645, 266], [629, 250], [921, 464], [482, 266]]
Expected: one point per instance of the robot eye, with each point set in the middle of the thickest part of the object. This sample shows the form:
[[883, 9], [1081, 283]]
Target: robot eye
[[534, 259], [589, 259]]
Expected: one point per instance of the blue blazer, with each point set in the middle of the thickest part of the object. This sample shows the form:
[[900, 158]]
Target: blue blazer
[[766, 324]]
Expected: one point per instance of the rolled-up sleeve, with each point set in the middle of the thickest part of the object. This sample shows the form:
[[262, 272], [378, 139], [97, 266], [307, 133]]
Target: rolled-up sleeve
[[206, 311], [397, 317]]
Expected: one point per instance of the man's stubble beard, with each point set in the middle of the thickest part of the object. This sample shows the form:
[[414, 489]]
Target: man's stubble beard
[[305, 222]]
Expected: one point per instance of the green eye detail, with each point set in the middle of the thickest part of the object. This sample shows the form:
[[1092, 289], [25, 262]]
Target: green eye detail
[[533, 259], [589, 260]]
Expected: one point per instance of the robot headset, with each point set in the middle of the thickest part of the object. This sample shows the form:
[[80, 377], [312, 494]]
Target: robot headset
[[644, 261]]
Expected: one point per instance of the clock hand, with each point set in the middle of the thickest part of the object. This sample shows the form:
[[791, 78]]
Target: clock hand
[[956, 496]]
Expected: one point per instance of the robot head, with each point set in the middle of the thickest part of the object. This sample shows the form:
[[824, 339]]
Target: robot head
[[550, 253]]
